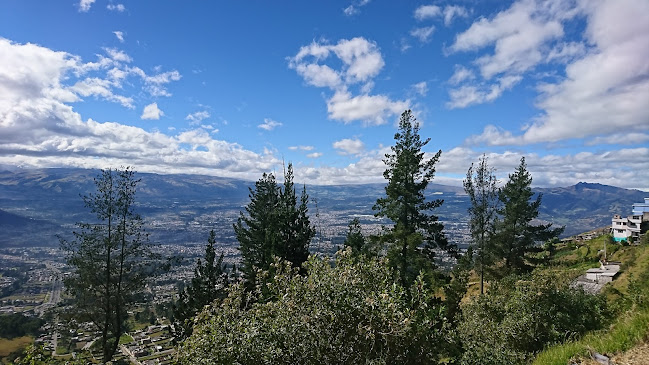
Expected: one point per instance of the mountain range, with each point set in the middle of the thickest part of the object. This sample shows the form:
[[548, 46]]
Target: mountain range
[[37, 206]]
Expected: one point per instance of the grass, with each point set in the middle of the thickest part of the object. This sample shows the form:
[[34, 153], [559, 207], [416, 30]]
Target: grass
[[629, 329], [125, 339], [9, 346]]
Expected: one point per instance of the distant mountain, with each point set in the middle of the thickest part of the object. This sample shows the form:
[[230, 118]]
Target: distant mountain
[[36, 205]]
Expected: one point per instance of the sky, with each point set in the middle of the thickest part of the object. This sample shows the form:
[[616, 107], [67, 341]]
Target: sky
[[238, 88]]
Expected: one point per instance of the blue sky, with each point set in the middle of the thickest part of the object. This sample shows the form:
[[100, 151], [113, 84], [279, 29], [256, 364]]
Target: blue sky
[[233, 88]]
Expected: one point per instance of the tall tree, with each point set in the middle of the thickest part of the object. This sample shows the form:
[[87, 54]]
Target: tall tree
[[108, 257], [481, 187], [517, 239], [209, 283], [354, 238], [408, 173], [275, 225]]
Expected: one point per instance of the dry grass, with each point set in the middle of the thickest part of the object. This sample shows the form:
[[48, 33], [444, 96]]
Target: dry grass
[[9, 346]]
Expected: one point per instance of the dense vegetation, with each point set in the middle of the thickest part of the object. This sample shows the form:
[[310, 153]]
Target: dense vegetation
[[18, 325], [385, 298]]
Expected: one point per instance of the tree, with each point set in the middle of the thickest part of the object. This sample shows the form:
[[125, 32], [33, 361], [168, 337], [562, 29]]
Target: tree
[[408, 173], [517, 239], [354, 238], [108, 257], [481, 187], [210, 281], [275, 225]]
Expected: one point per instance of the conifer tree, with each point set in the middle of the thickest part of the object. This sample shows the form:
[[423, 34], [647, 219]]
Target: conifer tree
[[481, 187], [275, 225], [517, 240], [408, 173], [109, 258], [354, 238], [209, 283]]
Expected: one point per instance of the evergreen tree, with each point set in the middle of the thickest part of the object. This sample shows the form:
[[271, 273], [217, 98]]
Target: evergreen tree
[[481, 188], [108, 258], [210, 280], [354, 238], [275, 225], [408, 173], [517, 240]]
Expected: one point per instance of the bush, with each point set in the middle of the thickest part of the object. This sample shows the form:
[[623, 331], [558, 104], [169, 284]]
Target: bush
[[351, 312], [521, 315]]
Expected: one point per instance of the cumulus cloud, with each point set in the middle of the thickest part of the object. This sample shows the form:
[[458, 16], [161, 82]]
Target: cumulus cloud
[[152, 112], [40, 128], [361, 62], [84, 5], [349, 146], [119, 35], [269, 124], [314, 155], [116, 7], [461, 74], [606, 84], [477, 94], [423, 33], [454, 11]]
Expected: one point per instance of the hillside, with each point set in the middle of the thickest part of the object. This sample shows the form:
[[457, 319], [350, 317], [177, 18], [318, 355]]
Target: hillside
[[39, 204]]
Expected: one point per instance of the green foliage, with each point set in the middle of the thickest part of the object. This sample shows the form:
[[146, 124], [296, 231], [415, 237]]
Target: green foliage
[[520, 315], [108, 257], [209, 283], [275, 225], [351, 312], [356, 241], [481, 187], [18, 325], [517, 240], [408, 173]]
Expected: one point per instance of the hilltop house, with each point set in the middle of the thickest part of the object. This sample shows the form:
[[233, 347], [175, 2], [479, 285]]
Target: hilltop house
[[625, 229]]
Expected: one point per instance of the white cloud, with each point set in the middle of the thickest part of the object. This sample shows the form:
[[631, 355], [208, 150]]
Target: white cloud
[[565, 52], [361, 62], [605, 91], [370, 109], [151, 112], [423, 33], [117, 55], [116, 7], [349, 146], [119, 35], [427, 11], [361, 59], [354, 8], [269, 124], [620, 138], [301, 148], [84, 5], [314, 155], [453, 11], [461, 74], [100, 88], [197, 117], [421, 88], [40, 128], [464, 96]]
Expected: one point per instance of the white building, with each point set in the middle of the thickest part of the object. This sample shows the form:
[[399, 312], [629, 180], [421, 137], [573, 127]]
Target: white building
[[629, 227]]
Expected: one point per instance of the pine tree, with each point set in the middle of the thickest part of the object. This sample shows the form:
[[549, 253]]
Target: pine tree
[[108, 258], [481, 187], [408, 173], [209, 283], [354, 238], [517, 240], [275, 225]]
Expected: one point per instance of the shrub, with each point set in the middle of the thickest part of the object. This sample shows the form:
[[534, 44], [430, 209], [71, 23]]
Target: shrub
[[521, 315], [351, 312]]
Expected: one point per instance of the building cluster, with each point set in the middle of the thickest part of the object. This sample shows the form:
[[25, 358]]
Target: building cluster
[[630, 228]]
